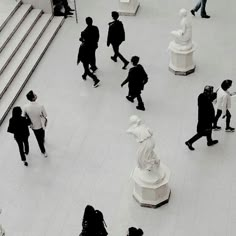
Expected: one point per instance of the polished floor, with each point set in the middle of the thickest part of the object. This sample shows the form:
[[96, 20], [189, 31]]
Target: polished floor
[[90, 156]]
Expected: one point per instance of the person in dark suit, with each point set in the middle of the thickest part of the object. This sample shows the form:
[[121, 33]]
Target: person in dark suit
[[91, 37], [206, 116], [136, 80], [116, 35], [201, 4], [84, 56], [18, 125]]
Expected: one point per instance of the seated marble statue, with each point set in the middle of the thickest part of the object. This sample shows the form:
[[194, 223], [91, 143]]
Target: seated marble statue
[[183, 36], [147, 158]]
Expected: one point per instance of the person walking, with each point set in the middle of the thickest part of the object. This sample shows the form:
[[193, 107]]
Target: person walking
[[116, 35], [201, 4], [136, 80], [223, 104], [84, 56], [206, 115], [38, 117], [91, 37], [18, 125]]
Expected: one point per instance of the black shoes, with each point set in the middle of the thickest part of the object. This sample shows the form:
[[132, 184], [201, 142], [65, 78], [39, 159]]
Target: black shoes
[[84, 77], [189, 146], [129, 98], [25, 163], [216, 128], [96, 83], [141, 108], [113, 59], [125, 65], [230, 129], [205, 16], [213, 142], [193, 12]]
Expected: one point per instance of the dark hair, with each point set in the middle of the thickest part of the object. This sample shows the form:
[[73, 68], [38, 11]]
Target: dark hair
[[88, 213], [16, 112], [135, 232], [226, 84], [30, 95], [115, 15], [135, 60], [208, 88], [89, 20]]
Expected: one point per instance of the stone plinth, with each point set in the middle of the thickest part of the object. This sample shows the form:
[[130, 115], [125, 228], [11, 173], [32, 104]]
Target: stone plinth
[[128, 7], [181, 61], [151, 190]]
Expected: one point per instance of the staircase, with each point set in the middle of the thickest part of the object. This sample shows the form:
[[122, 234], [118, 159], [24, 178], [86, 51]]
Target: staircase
[[25, 34]]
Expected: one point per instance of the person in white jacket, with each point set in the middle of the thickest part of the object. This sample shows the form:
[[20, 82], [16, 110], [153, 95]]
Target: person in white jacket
[[223, 104]]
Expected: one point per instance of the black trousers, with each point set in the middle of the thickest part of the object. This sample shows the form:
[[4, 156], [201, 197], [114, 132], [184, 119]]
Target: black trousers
[[40, 136], [117, 52], [228, 117], [201, 134], [202, 4], [93, 58], [138, 96], [88, 72], [23, 145]]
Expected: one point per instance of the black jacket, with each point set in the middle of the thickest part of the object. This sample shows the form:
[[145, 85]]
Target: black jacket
[[137, 78], [116, 33], [84, 54], [91, 35], [206, 113], [19, 127]]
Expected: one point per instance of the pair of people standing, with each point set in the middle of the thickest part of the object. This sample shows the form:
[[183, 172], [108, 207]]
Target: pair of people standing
[[93, 223], [34, 115]]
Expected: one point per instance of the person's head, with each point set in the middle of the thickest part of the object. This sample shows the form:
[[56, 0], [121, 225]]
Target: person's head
[[226, 84], [115, 15], [89, 21], [134, 120], [132, 231], [135, 60], [89, 213], [183, 12], [208, 89], [16, 112], [31, 96]]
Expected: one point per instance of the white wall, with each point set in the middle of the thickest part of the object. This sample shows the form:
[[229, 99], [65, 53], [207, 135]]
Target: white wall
[[45, 5]]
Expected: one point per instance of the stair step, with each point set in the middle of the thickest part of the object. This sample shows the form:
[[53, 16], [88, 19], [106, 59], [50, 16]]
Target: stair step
[[21, 55], [28, 67], [18, 38], [13, 24], [7, 9]]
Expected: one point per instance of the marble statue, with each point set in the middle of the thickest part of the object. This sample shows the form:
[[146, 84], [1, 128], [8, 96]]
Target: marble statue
[[2, 231], [183, 36], [147, 158]]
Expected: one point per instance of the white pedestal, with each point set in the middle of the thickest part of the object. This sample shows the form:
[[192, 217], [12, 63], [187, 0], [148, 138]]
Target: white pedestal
[[149, 190], [128, 7], [181, 61]]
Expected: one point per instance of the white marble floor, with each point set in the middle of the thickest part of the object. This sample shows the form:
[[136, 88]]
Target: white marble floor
[[90, 155]]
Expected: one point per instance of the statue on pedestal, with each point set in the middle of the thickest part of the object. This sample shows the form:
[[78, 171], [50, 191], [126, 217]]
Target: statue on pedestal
[[183, 36]]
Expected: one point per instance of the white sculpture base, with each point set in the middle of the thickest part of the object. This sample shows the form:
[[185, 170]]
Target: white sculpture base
[[128, 7], [181, 61], [149, 190]]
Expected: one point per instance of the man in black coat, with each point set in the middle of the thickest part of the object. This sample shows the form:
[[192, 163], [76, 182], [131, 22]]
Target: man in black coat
[[91, 37], [206, 116], [116, 35], [84, 56], [137, 78]]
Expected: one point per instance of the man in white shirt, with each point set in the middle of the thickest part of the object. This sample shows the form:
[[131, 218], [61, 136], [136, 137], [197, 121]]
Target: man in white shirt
[[223, 104], [38, 116]]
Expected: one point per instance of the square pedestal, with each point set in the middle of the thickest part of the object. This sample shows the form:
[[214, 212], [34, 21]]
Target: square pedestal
[[128, 7], [181, 62]]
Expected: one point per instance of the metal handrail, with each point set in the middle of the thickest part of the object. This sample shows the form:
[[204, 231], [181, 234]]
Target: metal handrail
[[76, 15]]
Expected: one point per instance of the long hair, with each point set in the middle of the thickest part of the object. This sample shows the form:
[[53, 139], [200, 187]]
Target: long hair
[[89, 213]]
